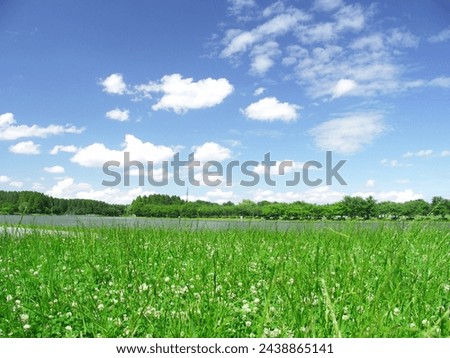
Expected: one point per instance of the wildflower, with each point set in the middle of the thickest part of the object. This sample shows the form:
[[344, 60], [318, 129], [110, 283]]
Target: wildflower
[[246, 308], [9, 298], [101, 307], [425, 322], [396, 311], [26, 327], [345, 317], [291, 281], [24, 317], [69, 328], [248, 324], [143, 287], [167, 279]]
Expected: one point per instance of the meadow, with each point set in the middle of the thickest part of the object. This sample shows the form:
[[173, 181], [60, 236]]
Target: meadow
[[345, 280]]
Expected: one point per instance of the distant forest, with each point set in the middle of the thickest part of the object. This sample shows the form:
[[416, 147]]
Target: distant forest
[[159, 205]]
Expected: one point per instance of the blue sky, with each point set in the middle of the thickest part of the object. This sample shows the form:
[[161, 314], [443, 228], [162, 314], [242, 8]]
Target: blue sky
[[82, 82]]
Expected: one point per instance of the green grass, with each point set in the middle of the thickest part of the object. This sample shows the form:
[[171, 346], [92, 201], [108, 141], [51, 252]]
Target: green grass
[[349, 280]]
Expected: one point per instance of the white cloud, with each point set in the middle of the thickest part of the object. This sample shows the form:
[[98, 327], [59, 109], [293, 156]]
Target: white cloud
[[370, 183], [4, 179], [63, 148], [271, 109], [327, 5], [259, 91], [57, 169], [237, 41], [182, 94], [95, 155], [16, 184], [68, 188], [118, 115], [445, 153], [263, 57], [237, 7], [10, 131], [343, 87], [393, 163], [211, 151], [420, 153], [401, 38], [348, 134], [395, 196], [28, 148], [342, 45], [442, 36], [319, 195], [443, 82], [114, 84]]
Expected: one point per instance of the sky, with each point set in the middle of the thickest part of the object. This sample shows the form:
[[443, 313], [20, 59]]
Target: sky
[[83, 82]]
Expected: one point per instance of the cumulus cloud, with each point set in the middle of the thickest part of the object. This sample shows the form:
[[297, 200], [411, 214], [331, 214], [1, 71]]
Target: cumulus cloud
[[182, 94], [348, 134], [28, 148], [63, 148], [16, 184], [95, 155], [319, 195], [57, 169], [114, 84], [69, 188], [271, 109], [211, 151], [217, 195], [442, 36], [4, 179], [395, 196], [118, 115], [370, 183], [445, 153], [10, 131]]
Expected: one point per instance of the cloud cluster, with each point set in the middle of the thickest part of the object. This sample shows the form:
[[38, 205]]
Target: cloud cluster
[[332, 50], [178, 94], [95, 155]]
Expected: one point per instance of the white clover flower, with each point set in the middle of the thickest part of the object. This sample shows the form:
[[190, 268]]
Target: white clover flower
[[167, 279], [248, 324], [246, 308], [26, 327], [412, 325], [425, 322], [291, 281], [345, 317], [69, 328], [101, 307], [396, 311], [24, 317], [9, 298]]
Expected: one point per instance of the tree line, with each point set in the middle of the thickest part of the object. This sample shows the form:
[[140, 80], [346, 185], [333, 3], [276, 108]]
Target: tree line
[[171, 206], [31, 202]]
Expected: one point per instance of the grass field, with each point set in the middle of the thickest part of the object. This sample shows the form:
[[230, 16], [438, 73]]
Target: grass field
[[348, 280]]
